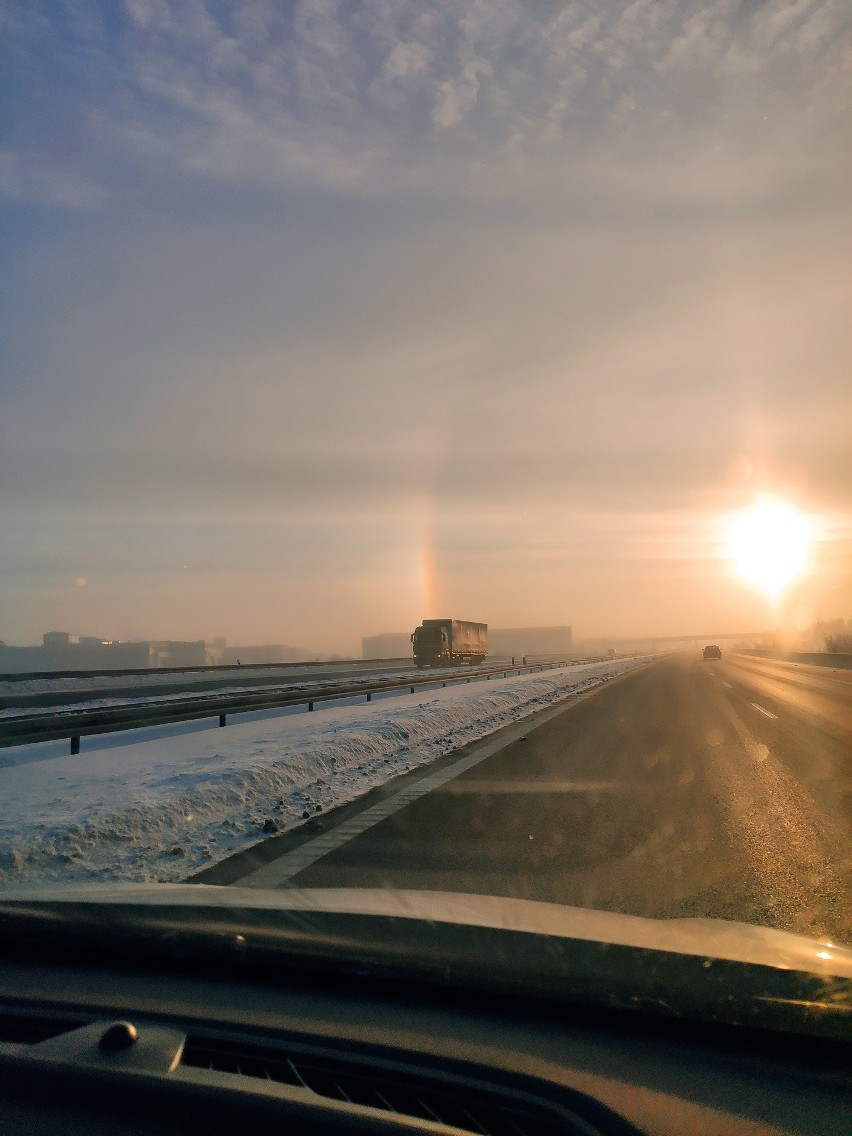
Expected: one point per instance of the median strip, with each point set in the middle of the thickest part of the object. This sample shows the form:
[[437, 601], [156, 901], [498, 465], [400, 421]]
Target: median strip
[[25, 728]]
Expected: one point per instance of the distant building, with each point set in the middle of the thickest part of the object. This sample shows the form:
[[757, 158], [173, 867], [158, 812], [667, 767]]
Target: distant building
[[58, 652], [22, 660], [178, 653], [521, 641], [267, 653], [394, 645], [215, 651], [55, 640]]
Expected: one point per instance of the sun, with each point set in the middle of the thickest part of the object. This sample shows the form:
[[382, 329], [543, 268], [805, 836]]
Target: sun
[[769, 544]]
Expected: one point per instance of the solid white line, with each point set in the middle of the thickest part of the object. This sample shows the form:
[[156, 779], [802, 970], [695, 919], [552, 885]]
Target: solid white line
[[763, 710], [286, 866]]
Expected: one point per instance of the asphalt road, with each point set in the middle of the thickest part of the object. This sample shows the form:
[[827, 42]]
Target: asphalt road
[[715, 789], [63, 692]]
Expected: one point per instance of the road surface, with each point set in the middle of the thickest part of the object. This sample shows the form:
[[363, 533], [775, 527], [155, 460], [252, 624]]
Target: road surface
[[717, 789], [62, 691]]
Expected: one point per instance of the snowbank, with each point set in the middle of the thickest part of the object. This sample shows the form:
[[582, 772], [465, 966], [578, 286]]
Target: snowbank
[[159, 810]]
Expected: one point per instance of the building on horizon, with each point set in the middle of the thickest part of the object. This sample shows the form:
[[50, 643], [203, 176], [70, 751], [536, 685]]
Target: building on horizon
[[393, 645], [267, 653], [521, 641], [59, 652]]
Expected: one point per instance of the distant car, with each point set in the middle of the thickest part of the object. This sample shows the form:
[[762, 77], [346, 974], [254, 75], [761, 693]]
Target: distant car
[[712, 652]]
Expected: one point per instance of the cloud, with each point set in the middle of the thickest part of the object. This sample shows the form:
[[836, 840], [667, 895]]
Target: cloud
[[451, 97], [23, 179], [405, 61]]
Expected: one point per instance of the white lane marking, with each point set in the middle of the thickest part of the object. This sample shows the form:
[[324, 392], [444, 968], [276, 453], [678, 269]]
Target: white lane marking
[[763, 710], [727, 686], [286, 866]]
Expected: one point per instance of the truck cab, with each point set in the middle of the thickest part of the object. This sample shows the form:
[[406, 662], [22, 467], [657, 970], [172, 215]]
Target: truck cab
[[431, 645]]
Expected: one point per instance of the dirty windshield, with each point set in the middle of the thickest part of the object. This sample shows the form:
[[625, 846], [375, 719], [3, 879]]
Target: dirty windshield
[[425, 452]]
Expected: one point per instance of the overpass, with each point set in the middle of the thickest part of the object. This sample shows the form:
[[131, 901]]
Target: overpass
[[653, 642]]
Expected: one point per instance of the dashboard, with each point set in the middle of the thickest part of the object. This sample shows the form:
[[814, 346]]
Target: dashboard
[[89, 1046]]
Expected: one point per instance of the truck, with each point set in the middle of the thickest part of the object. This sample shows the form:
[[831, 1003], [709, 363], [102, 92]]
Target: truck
[[446, 642]]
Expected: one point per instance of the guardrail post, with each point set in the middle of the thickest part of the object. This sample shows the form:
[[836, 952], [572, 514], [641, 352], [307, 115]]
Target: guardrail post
[[75, 745], [222, 719]]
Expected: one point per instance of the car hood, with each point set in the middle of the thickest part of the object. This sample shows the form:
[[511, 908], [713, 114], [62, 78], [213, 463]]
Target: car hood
[[698, 969], [704, 938]]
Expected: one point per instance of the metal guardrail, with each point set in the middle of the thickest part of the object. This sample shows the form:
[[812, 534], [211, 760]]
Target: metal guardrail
[[26, 729]]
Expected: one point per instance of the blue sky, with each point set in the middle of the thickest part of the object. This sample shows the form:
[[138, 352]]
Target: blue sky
[[319, 315]]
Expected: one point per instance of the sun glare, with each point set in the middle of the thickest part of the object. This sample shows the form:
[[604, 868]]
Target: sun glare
[[768, 544]]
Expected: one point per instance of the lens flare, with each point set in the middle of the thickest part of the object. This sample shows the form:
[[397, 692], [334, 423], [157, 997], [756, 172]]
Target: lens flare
[[769, 544]]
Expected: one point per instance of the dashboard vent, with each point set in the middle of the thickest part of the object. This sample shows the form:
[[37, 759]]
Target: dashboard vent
[[30, 1029], [404, 1093]]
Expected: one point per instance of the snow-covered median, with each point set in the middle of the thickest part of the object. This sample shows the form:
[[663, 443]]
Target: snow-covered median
[[159, 810]]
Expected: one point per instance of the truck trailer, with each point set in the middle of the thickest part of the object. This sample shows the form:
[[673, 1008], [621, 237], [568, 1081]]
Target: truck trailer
[[447, 642]]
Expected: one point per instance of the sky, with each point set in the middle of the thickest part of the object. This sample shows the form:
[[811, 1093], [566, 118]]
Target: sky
[[319, 318]]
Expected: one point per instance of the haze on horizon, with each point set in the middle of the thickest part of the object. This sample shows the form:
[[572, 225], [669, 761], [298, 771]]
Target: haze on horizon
[[321, 318]]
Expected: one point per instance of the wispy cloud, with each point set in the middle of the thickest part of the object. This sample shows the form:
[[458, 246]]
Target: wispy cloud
[[23, 179], [498, 94]]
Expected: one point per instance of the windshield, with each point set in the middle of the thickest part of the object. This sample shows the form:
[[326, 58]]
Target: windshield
[[324, 320]]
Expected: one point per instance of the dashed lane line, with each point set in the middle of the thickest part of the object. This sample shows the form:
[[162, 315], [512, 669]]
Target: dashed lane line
[[764, 711]]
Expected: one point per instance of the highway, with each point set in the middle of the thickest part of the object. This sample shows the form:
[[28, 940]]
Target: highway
[[718, 789]]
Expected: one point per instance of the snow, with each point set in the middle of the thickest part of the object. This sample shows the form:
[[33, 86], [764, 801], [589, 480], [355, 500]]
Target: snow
[[157, 810]]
